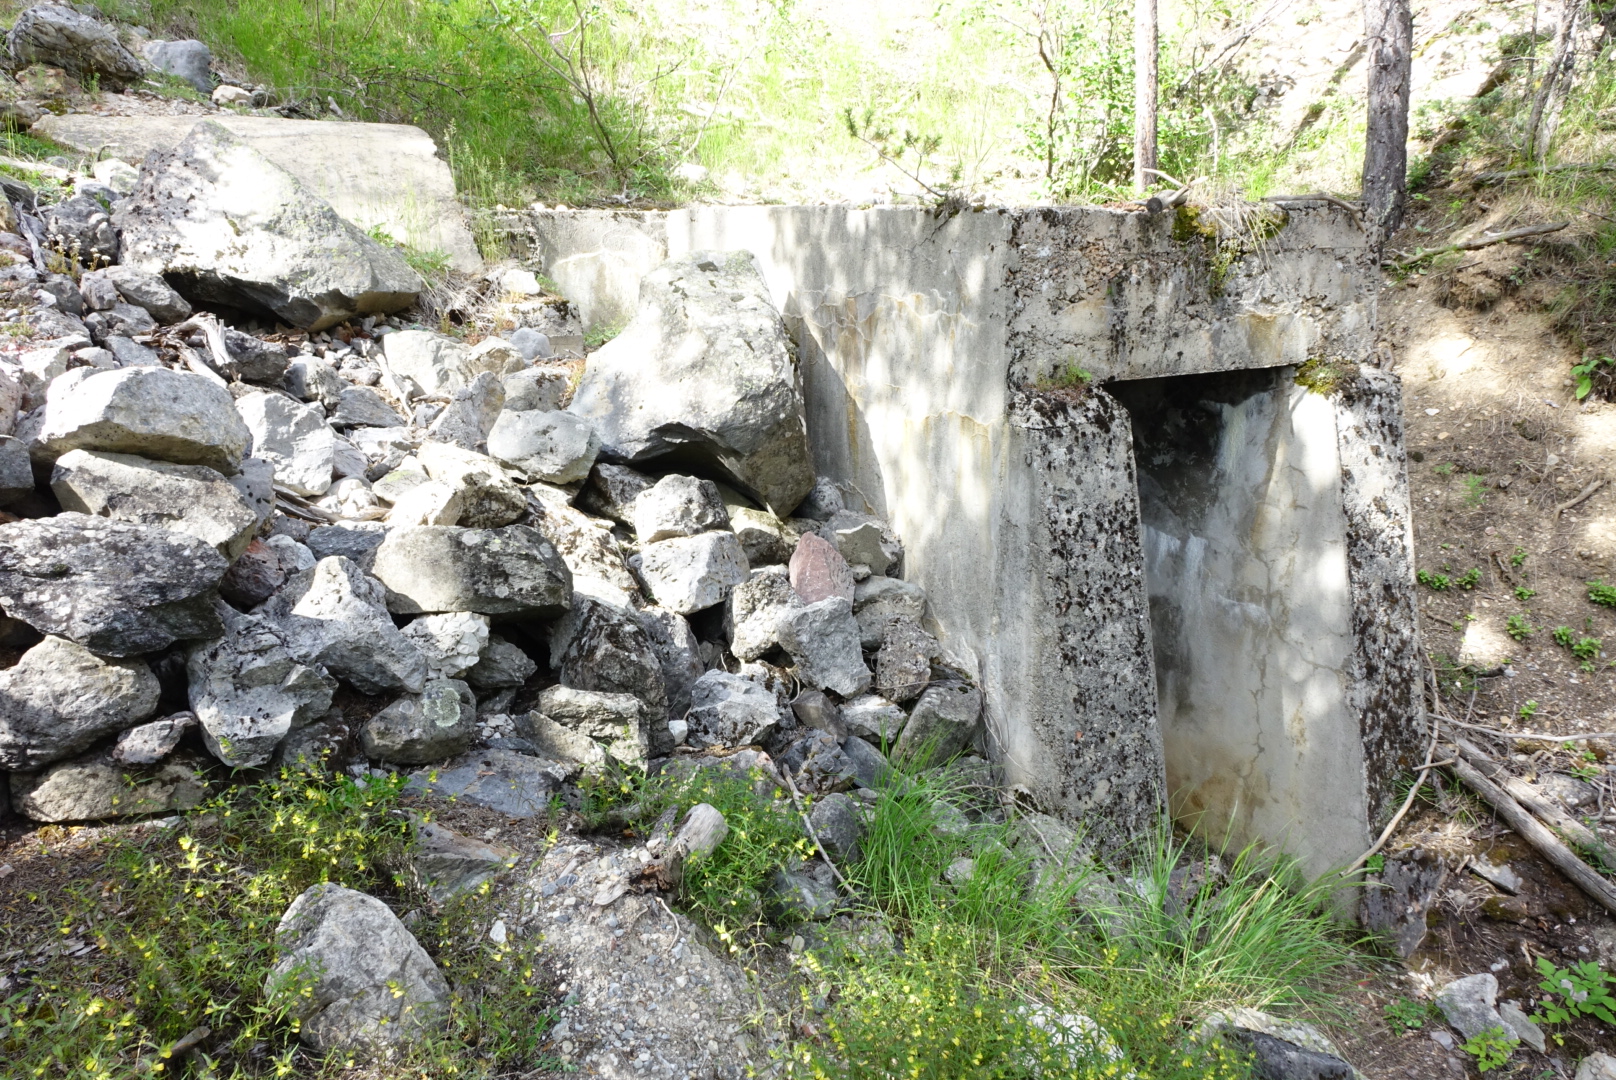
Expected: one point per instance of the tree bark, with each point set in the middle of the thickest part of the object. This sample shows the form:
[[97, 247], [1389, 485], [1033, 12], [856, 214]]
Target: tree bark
[[1389, 32], [1557, 78], [1145, 50]]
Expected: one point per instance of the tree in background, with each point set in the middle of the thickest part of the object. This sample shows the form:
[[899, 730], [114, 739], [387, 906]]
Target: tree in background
[[1556, 84], [1146, 49], [1389, 30]]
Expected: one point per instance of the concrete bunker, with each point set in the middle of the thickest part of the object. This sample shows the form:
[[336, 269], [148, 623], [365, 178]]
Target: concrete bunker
[[938, 357]]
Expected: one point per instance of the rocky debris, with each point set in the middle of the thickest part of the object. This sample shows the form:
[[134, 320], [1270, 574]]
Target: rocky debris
[[511, 571], [447, 864], [60, 698], [79, 228], [1284, 1049], [677, 650], [360, 406], [878, 600], [1470, 1004], [704, 370], [818, 571], [678, 506], [228, 226], [248, 690], [418, 363], [335, 615], [766, 539], [728, 710], [873, 718], [601, 646], [191, 499], [150, 743], [616, 722], [470, 413], [502, 666], [691, 573], [419, 729], [865, 541], [452, 642], [352, 973], [942, 723], [98, 787], [836, 822], [611, 492], [157, 298], [489, 498], [294, 438], [116, 589], [586, 544], [502, 780], [188, 59], [818, 763], [556, 447], [903, 665], [822, 640], [149, 412], [1597, 1067], [62, 37]]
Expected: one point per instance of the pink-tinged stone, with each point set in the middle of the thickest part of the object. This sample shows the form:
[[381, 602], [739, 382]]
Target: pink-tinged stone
[[818, 571], [254, 577]]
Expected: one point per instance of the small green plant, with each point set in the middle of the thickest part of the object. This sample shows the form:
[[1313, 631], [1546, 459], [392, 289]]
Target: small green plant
[[1375, 864], [600, 335], [1475, 491], [1523, 594], [1518, 558], [1575, 992], [1404, 1016], [1433, 581], [1602, 594], [1444, 469], [1594, 372], [1564, 636], [1518, 628], [1529, 710], [1584, 764], [1070, 377], [1490, 1048], [1469, 579]]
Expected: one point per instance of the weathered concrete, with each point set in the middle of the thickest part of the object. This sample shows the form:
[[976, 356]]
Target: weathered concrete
[[938, 358], [386, 175]]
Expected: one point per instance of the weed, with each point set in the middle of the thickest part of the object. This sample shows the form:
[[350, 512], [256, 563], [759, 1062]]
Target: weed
[[1529, 710], [1469, 579], [1583, 766], [1517, 558], [1490, 1048], [1475, 491], [1594, 371], [1518, 628], [1433, 581], [1572, 993], [1444, 469], [600, 335], [1375, 864], [1602, 594], [1070, 377], [1323, 376], [1564, 636], [1523, 594], [1404, 1016]]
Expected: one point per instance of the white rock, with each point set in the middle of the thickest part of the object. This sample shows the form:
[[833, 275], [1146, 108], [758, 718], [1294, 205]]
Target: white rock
[[678, 506], [728, 710], [150, 743], [873, 718], [150, 412], [96, 787], [418, 729], [60, 698], [430, 503], [755, 607], [294, 438], [542, 388], [692, 573], [512, 571], [451, 642], [615, 722], [490, 498], [466, 420], [191, 499], [556, 447], [823, 641]]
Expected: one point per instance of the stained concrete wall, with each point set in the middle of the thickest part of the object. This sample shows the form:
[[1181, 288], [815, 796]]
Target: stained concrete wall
[[932, 351]]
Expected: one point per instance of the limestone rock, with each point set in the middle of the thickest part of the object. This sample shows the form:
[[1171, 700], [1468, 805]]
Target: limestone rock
[[188, 59], [1597, 1067], [230, 227], [703, 370], [677, 650], [836, 822], [692, 573], [588, 546], [335, 615], [755, 607], [512, 571], [16, 472], [429, 503], [360, 406], [865, 541], [601, 646], [96, 787], [869, 766], [418, 363], [357, 543], [367, 983], [419, 729], [58, 35], [451, 642], [447, 864], [819, 764], [309, 378], [155, 296], [466, 420], [191, 499], [537, 389], [80, 228], [728, 710], [248, 690], [559, 743], [678, 506], [877, 600], [556, 447], [490, 499], [116, 589], [502, 780], [151, 412], [818, 571], [941, 725], [611, 492], [874, 719], [60, 698], [325, 744], [615, 721], [903, 666], [253, 577], [1282, 1048], [294, 438], [503, 666], [1470, 1004], [150, 743], [822, 640], [762, 536]]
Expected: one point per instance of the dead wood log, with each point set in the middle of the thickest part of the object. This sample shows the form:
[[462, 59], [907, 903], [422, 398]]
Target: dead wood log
[[1544, 807], [1535, 833], [1523, 233]]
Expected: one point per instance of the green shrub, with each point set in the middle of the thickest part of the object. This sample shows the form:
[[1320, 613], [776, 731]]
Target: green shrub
[[1433, 581], [1602, 594], [1517, 627]]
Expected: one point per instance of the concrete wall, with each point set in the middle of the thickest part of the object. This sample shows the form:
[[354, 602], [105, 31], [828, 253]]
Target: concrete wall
[[932, 353]]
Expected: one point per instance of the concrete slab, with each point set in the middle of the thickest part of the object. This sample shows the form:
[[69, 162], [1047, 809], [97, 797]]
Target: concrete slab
[[372, 174]]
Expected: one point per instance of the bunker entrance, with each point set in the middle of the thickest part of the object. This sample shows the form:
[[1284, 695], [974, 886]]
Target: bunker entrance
[[1245, 564]]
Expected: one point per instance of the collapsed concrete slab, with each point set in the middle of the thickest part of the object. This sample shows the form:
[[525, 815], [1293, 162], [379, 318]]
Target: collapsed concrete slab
[[1001, 387]]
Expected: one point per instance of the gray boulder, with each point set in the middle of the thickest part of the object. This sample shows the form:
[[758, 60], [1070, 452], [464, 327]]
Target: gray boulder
[[509, 572], [60, 698], [878, 600], [755, 607], [703, 370], [294, 438], [59, 36], [249, 690], [147, 744], [451, 642], [190, 499], [537, 389], [470, 413], [763, 536], [513, 784], [419, 729], [1281, 1049], [1470, 1004], [728, 710], [116, 589], [360, 406], [352, 974], [80, 229], [678, 506], [16, 471], [503, 666], [602, 646], [941, 725], [836, 822], [692, 573], [151, 412], [586, 544], [189, 60], [155, 296], [611, 492], [96, 788], [616, 722], [335, 615], [865, 541], [903, 666], [489, 498], [417, 363], [822, 640], [230, 227], [1597, 1067], [556, 447], [793, 896], [874, 719], [869, 766], [677, 650], [447, 864]]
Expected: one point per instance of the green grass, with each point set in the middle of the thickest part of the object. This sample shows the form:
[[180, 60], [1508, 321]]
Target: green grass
[[184, 921]]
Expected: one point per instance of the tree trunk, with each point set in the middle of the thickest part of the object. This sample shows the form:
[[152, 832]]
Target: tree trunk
[[1145, 49], [1556, 85], [1389, 32]]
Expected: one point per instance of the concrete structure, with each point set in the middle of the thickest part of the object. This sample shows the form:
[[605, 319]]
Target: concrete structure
[[386, 175], [1003, 385]]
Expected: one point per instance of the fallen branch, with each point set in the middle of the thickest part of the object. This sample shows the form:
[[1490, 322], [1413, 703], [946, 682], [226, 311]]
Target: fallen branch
[[1523, 233], [1546, 809], [796, 800], [1536, 834], [1500, 175], [1317, 196], [1578, 499], [1536, 736], [1419, 782]]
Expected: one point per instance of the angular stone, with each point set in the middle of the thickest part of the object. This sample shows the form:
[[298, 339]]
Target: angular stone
[[253, 577], [418, 363], [818, 571], [151, 412], [326, 744], [248, 690], [227, 226], [502, 780], [116, 589], [16, 472], [294, 438], [490, 499], [503, 666], [188, 59], [559, 743], [150, 743], [429, 503], [601, 646], [728, 710], [360, 406], [903, 666], [793, 896], [451, 642], [815, 710], [152, 294], [191, 499], [59, 36], [556, 447], [356, 543], [447, 864], [80, 229], [1470, 1004], [874, 719], [878, 600], [704, 370], [822, 640], [588, 546], [60, 698], [869, 766], [762, 536], [1520, 1025], [617, 722], [95, 788], [1597, 1067], [1319, 1058], [352, 974], [703, 830], [677, 650], [942, 723], [836, 822], [678, 506], [335, 615], [865, 540], [755, 607], [466, 420], [538, 389], [419, 729], [692, 573], [512, 571], [819, 764], [611, 492], [309, 378]]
